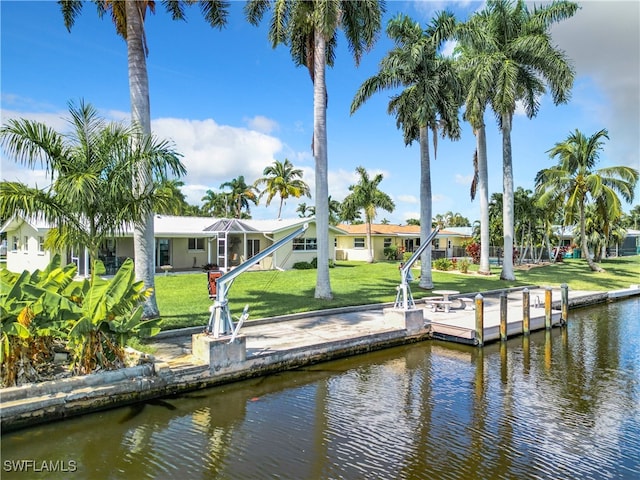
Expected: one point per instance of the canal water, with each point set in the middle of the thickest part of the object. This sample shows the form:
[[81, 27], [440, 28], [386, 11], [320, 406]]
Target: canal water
[[561, 404]]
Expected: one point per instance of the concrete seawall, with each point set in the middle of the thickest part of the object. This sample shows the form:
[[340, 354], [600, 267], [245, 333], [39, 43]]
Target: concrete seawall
[[268, 346]]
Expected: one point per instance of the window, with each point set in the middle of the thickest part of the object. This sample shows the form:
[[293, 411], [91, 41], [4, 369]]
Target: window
[[387, 242], [253, 247], [196, 244], [306, 244], [14, 243], [436, 243], [41, 244], [25, 245], [358, 242]]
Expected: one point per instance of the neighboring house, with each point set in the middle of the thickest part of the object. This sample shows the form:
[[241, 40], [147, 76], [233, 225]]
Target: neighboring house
[[629, 246], [184, 243], [25, 244], [352, 245]]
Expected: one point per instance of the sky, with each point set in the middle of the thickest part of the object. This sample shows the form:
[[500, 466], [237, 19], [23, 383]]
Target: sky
[[232, 104]]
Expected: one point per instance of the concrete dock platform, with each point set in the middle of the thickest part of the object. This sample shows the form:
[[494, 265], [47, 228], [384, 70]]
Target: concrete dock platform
[[272, 345], [266, 336]]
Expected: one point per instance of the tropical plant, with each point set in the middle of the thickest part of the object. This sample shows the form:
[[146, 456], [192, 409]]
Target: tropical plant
[[109, 313], [217, 204], [429, 102], [90, 198], [170, 199], [309, 29], [451, 219], [128, 17], [366, 196], [473, 250], [32, 314], [305, 211], [632, 219], [520, 59], [575, 182], [442, 264], [240, 196], [94, 319], [283, 180]]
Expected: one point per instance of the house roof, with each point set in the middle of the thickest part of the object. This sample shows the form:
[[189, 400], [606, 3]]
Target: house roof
[[403, 230], [37, 223], [381, 229], [177, 226]]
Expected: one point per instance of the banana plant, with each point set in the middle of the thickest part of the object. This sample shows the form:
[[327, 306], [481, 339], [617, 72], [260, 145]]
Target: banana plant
[[110, 314], [95, 318], [33, 312]]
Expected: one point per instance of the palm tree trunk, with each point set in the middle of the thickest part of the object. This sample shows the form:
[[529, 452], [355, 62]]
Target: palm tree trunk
[[369, 246], [143, 235], [280, 208], [426, 213], [507, 200], [483, 191], [323, 286], [585, 245]]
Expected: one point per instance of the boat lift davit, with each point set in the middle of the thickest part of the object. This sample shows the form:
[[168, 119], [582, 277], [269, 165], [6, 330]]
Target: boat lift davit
[[220, 321], [404, 299]]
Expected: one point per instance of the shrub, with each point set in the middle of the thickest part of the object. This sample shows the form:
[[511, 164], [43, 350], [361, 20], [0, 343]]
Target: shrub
[[391, 253], [302, 266], [463, 265], [443, 264], [473, 250]]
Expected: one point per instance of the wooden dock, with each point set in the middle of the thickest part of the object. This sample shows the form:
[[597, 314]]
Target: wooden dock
[[459, 324]]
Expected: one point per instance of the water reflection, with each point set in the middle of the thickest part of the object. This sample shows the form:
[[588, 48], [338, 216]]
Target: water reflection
[[558, 404]]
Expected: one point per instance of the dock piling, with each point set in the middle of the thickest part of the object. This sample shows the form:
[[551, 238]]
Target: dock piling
[[479, 320], [503, 316], [564, 302], [547, 307], [526, 312]]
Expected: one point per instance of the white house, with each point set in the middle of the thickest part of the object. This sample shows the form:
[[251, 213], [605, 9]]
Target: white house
[[184, 243]]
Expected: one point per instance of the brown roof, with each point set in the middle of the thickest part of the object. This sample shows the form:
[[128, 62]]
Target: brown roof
[[400, 230], [380, 229]]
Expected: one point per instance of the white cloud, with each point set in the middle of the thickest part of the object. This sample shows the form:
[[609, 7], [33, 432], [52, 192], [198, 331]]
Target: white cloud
[[610, 55], [214, 154], [262, 124], [56, 120], [408, 199], [463, 179]]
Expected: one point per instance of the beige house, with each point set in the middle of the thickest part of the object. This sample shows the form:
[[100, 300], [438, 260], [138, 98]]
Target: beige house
[[181, 244], [352, 245]]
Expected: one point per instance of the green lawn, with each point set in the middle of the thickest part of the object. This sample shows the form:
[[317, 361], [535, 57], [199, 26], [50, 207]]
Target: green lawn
[[183, 298]]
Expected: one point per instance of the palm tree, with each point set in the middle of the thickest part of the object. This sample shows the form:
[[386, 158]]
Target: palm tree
[[575, 182], [90, 197], [283, 180], [128, 17], [632, 219], [216, 204], [521, 59], [240, 196], [430, 100], [171, 200], [305, 211], [309, 29], [478, 79], [366, 196]]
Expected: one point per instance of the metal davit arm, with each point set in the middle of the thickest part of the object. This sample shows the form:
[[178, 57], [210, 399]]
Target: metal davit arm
[[404, 298], [220, 322]]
